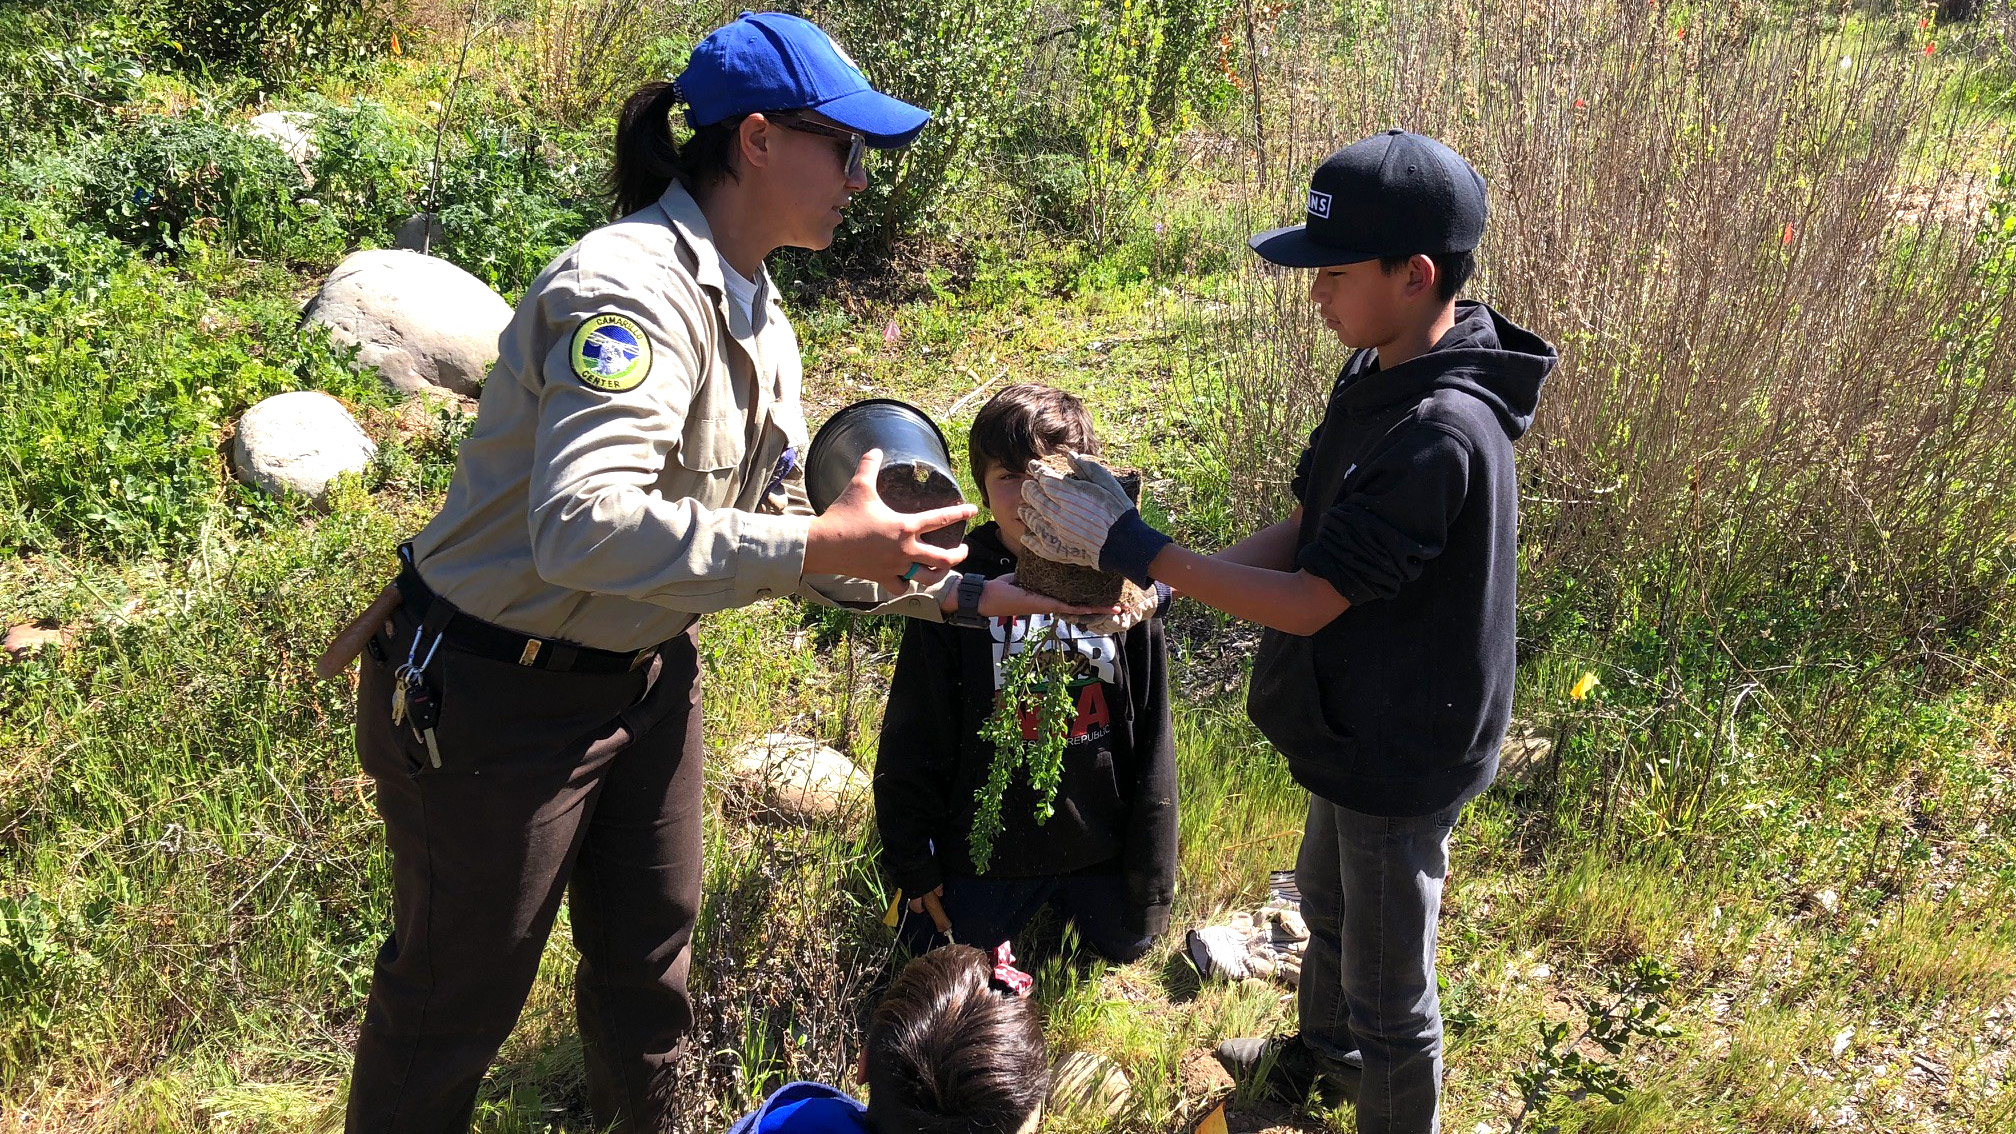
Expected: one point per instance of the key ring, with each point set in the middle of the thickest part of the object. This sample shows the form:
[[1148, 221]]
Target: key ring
[[912, 572]]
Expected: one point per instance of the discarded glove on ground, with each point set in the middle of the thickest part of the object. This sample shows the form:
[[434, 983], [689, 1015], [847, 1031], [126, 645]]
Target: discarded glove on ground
[[1266, 943]]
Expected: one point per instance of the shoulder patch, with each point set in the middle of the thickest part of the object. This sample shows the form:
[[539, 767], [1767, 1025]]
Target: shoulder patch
[[611, 352]]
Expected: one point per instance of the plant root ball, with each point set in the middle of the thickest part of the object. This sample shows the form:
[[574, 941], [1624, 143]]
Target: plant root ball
[[1080, 586]]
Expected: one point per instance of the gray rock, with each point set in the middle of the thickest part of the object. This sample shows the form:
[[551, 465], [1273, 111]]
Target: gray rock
[[1522, 755], [1086, 1084], [797, 775], [419, 229], [418, 320], [299, 442], [291, 131]]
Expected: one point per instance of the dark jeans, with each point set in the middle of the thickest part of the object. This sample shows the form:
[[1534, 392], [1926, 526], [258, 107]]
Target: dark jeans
[[1371, 893], [985, 912], [589, 783]]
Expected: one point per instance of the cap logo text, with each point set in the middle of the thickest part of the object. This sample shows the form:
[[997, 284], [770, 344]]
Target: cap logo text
[[1319, 205]]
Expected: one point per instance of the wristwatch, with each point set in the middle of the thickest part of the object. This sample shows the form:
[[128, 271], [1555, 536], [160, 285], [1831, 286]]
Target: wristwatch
[[968, 614]]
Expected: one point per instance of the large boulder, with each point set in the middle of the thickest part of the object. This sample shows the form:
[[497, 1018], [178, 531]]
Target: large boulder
[[290, 130], [798, 776], [421, 322], [299, 442]]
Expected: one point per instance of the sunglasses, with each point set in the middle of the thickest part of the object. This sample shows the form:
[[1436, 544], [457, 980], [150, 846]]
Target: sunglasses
[[857, 145]]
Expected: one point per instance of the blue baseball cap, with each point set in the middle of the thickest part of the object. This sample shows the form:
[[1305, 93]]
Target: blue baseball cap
[[773, 61]]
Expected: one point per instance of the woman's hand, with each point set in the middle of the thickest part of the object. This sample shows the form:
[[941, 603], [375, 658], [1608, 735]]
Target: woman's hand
[[863, 538]]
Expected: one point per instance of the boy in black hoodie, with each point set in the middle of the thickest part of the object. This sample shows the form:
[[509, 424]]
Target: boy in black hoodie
[[1385, 676], [1106, 859]]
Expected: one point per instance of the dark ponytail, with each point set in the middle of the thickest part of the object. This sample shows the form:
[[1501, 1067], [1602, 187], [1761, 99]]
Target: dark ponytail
[[648, 161]]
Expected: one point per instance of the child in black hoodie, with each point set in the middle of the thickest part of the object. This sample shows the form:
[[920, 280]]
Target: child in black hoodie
[[1106, 859], [1385, 676]]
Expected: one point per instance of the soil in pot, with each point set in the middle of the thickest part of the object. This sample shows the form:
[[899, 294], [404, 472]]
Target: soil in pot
[[913, 486]]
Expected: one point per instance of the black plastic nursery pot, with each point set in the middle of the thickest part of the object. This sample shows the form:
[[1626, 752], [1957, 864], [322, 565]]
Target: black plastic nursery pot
[[916, 464]]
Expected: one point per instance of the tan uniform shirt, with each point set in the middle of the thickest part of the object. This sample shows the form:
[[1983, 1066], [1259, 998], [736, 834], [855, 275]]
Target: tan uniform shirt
[[611, 517]]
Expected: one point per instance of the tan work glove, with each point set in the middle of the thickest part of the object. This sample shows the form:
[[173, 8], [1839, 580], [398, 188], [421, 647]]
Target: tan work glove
[[1087, 519]]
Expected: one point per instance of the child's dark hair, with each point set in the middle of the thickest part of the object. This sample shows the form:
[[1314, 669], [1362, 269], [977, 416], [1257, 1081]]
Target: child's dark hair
[[947, 1054], [648, 161], [1022, 423], [1452, 270]]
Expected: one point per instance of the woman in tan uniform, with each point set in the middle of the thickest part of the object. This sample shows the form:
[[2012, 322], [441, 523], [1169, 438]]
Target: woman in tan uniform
[[531, 716]]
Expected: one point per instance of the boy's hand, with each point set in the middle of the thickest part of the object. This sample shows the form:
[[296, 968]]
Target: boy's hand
[[930, 903], [1131, 614], [1088, 520], [1004, 598]]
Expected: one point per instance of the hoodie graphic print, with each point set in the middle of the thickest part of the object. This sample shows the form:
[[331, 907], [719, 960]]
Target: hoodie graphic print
[[1410, 508], [1095, 671]]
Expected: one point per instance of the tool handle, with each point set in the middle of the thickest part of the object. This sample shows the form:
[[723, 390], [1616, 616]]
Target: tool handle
[[349, 642], [936, 909]]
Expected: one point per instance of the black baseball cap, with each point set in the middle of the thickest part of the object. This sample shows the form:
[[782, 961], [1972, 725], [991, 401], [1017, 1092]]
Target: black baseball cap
[[1393, 194]]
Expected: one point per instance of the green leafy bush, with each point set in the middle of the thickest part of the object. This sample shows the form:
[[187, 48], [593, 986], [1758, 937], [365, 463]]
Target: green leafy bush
[[961, 59], [61, 79], [161, 180], [370, 170], [1072, 112], [120, 377], [1136, 64], [273, 40], [42, 958], [1042, 163], [512, 199]]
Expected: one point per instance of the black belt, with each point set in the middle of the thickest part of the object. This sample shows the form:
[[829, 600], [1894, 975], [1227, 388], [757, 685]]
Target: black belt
[[488, 640]]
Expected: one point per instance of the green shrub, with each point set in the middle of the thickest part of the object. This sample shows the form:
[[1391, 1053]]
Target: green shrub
[[119, 379], [370, 170], [274, 40], [585, 56], [1042, 163], [162, 180], [60, 79], [512, 199], [961, 59], [1136, 65]]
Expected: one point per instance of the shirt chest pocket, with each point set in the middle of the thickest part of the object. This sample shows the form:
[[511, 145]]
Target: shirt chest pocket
[[711, 445], [716, 429]]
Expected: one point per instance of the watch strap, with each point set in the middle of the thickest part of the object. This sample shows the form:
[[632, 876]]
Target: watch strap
[[968, 613]]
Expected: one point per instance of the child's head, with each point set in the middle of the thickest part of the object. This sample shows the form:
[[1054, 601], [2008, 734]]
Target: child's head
[[947, 1054], [1392, 227], [1016, 426]]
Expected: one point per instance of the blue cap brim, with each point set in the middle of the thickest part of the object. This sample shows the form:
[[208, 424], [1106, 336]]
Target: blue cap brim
[[1291, 247], [886, 122]]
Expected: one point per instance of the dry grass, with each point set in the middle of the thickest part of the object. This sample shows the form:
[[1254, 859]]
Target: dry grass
[[1958, 947]]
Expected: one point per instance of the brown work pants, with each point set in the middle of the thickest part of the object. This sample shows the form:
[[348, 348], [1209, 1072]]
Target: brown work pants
[[588, 782]]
